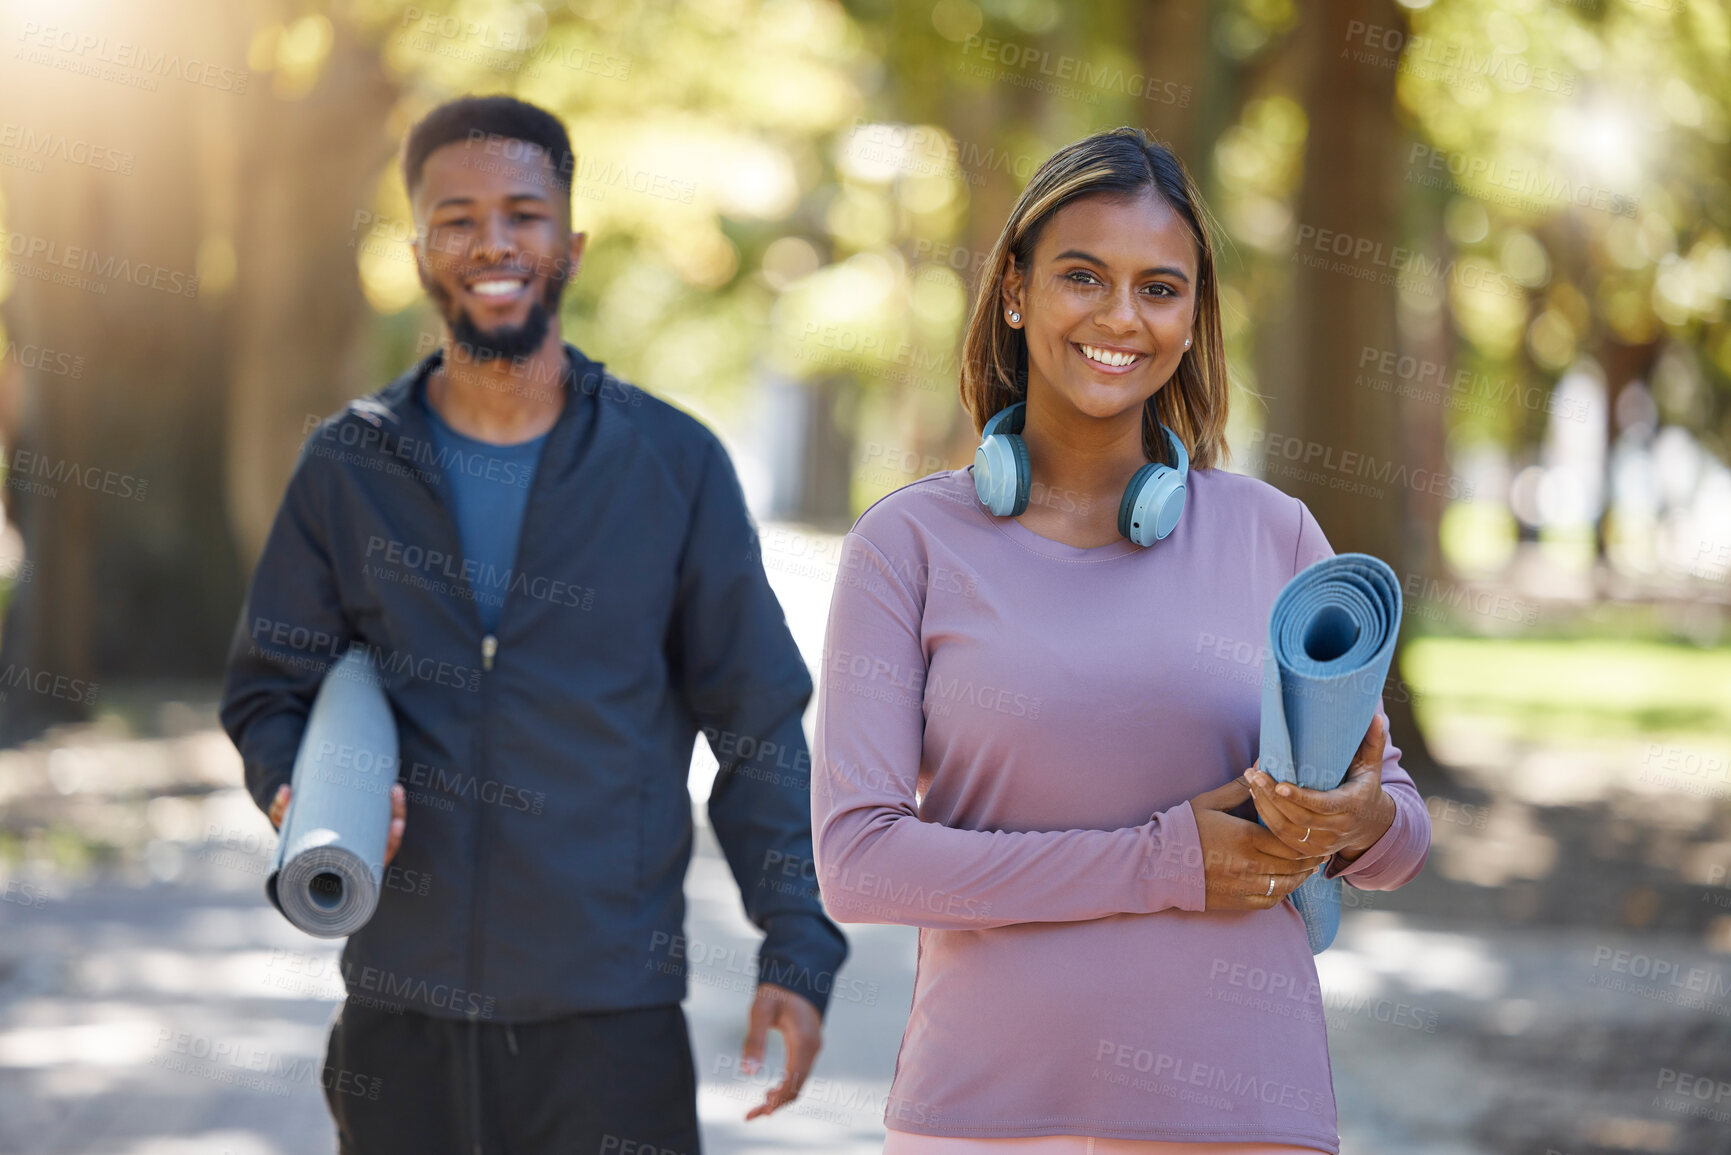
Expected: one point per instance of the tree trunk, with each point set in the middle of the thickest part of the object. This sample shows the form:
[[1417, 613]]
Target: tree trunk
[[186, 388], [308, 176], [115, 472], [1174, 48], [1353, 461]]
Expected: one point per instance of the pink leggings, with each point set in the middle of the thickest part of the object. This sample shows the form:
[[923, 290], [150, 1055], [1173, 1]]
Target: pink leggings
[[907, 1143]]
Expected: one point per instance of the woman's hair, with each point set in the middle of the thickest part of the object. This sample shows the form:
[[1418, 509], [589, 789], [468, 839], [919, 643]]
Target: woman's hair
[[1121, 163]]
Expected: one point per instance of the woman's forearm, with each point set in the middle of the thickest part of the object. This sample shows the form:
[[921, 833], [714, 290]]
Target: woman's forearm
[[879, 863]]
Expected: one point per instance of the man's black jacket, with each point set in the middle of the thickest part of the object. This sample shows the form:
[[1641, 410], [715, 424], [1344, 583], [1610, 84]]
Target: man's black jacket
[[549, 825]]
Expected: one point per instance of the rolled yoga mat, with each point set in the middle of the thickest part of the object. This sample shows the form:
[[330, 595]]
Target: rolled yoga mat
[[330, 855], [1331, 637]]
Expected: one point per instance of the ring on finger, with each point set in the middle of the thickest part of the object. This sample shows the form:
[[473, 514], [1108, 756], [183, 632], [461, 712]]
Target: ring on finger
[[1270, 886], [1306, 837]]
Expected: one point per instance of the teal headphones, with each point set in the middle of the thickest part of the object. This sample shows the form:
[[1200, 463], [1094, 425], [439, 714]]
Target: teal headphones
[[1153, 501]]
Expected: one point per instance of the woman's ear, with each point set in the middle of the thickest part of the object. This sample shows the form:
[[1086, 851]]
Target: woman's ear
[[1012, 290]]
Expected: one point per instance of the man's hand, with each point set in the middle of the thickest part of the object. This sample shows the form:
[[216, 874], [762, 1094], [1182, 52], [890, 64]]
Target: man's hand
[[1347, 820], [399, 815], [801, 1027]]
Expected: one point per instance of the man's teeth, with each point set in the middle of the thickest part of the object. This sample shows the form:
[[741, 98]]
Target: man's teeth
[[1107, 357], [495, 288]]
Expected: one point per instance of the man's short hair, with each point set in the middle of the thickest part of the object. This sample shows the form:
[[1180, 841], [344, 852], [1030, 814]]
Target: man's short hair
[[490, 118]]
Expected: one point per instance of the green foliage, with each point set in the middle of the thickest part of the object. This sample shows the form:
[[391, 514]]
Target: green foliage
[[782, 185]]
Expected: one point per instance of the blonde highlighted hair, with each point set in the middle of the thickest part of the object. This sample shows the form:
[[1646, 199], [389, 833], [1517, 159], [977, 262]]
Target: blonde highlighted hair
[[1122, 162]]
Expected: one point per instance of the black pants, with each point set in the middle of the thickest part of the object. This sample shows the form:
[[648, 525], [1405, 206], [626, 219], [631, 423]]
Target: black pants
[[619, 1083]]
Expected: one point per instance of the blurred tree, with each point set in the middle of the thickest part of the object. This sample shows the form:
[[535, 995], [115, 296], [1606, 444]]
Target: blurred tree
[[245, 190], [304, 165], [1313, 335], [115, 476], [1581, 159]]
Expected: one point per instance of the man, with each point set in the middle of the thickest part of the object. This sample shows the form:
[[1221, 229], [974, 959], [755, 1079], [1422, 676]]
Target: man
[[558, 581]]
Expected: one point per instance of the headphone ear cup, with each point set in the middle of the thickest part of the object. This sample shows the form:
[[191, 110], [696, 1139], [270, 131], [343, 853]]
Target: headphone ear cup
[[1152, 504], [1171, 506], [1127, 513], [1002, 475]]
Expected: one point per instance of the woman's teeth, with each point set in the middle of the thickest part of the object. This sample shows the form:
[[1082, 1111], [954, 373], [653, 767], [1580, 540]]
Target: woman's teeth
[[495, 288], [1107, 357]]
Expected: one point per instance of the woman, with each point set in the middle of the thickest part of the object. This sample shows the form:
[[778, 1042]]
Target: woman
[[1031, 728]]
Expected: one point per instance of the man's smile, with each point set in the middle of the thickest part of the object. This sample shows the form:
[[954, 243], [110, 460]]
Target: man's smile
[[496, 288]]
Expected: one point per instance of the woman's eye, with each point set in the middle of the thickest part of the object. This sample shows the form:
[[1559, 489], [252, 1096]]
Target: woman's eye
[[1082, 278], [1167, 290]]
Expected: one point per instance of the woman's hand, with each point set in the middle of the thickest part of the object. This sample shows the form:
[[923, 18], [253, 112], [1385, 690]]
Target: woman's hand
[[1347, 820], [1246, 866]]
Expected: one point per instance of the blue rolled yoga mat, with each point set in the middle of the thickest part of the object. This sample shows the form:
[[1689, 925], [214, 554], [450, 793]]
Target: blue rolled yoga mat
[[1331, 638], [330, 853]]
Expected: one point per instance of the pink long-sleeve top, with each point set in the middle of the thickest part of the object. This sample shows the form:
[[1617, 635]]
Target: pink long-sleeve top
[[1008, 731]]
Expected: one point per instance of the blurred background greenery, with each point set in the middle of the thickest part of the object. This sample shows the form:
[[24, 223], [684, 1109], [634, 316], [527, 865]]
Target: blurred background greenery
[[1477, 252]]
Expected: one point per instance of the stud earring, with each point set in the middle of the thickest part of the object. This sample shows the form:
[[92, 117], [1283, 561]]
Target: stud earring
[[1187, 342], [1015, 317]]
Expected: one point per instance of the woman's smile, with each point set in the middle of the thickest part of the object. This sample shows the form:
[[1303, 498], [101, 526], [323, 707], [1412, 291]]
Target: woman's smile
[[1109, 359]]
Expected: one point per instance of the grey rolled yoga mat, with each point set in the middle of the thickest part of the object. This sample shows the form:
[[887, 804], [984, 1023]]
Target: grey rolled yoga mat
[[330, 853], [1331, 637]]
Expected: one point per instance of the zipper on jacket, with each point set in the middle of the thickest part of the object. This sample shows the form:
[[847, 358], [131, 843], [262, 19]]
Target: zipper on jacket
[[475, 1083], [477, 978], [489, 649], [475, 904]]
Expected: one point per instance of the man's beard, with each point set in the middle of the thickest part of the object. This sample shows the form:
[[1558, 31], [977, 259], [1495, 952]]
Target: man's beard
[[482, 346]]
